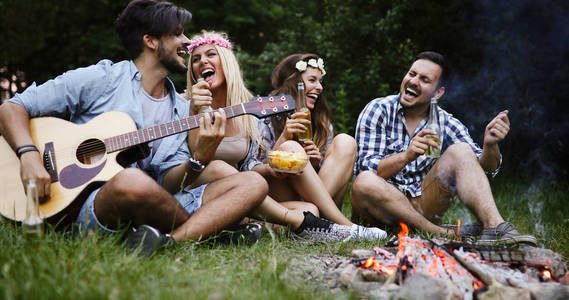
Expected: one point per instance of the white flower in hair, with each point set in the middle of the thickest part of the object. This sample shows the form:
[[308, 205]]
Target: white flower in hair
[[312, 62], [321, 66], [301, 65], [317, 64]]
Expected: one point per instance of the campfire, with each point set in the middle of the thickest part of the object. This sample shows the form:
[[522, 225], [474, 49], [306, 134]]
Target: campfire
[[457, 270]]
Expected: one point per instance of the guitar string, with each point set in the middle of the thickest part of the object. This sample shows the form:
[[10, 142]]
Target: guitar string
[[89, 147], [99, 145]]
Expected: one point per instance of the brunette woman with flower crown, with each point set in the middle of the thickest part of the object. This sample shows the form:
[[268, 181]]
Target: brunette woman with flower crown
[[332, 157], [214, 79]]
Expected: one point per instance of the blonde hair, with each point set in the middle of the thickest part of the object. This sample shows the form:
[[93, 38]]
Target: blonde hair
[[237, 92]]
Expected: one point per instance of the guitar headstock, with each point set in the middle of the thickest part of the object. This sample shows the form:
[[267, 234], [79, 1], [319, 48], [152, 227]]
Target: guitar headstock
[[263, 107]]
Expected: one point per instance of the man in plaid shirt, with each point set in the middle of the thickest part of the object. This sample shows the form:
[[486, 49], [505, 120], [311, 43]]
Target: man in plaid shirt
[[396, 182]]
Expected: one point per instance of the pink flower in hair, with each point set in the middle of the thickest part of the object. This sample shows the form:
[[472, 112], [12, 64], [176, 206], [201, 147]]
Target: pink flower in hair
[[209, 40]]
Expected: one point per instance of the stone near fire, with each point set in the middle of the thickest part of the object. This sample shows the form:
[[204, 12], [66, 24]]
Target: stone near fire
[[372, 275], [546, 290], [349, 275], [498, 291], [362, 253], [425, 286]]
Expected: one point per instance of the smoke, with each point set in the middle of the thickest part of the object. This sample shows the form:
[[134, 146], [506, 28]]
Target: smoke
[[524, 49]]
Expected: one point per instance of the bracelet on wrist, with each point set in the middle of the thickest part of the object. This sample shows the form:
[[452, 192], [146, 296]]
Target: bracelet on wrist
[[25, 146], [24, 150], [195, 165]]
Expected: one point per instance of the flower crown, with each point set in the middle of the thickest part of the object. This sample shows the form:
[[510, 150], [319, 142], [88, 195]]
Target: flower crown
[[318, 64], [209, 40]]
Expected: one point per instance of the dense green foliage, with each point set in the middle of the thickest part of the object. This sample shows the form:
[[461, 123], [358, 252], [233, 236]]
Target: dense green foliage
[[504, 54]]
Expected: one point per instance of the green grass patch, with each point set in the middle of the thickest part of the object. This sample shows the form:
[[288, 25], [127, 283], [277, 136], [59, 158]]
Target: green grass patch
[[68, 266]]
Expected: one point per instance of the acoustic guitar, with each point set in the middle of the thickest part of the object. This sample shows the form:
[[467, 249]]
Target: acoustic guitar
[[80, 158]]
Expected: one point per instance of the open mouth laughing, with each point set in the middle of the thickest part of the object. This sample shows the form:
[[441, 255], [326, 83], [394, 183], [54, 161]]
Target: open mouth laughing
[[183, 52], [207, 74], [411, 92]]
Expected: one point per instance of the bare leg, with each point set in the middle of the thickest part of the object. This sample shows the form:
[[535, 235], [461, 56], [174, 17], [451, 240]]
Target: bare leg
[[225, 201], [215, 170], [309, 186], [337, 168], [459, 170], [284, 213], [376, 201], [133, 196]]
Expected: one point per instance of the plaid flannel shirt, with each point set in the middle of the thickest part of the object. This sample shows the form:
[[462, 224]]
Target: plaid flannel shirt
[[381, 132]]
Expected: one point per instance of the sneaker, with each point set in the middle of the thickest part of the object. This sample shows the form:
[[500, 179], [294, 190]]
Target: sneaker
[[319, 229], [466, 230], [148, 239], [247, 234], [504, 234], [359, 232]]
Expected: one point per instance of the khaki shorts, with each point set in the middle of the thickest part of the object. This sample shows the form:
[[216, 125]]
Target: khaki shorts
[[435, 198]]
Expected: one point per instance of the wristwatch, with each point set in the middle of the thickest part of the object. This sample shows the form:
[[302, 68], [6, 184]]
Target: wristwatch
[[195, 165]]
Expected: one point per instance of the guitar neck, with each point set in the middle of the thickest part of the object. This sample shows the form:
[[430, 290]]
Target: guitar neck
[[134, 138]]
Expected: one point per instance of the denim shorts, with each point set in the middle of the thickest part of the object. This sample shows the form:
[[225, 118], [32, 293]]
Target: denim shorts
[[189, 199]]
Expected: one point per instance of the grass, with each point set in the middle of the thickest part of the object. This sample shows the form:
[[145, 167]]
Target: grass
[[67, 266]]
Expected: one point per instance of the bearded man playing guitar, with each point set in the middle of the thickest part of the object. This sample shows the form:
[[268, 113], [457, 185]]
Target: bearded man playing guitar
[[165, 192]]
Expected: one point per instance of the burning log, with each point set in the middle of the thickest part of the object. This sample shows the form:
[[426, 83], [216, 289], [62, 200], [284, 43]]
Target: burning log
[[487, 272]]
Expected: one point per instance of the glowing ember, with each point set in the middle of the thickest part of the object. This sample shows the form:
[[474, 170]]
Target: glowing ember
[[546, 274], [416, 255], [369, 262]]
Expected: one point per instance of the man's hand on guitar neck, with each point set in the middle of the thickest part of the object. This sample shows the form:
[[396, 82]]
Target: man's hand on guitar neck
[[209, 136], [32, 168]]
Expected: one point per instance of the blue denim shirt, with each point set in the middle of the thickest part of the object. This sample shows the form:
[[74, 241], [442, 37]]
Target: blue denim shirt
[[80, 95]]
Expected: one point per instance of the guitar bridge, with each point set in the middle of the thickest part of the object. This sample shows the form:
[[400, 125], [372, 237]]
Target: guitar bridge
[[49, 161]]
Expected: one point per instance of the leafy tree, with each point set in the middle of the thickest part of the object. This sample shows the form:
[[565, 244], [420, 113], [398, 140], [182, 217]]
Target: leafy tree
[[503, 54]]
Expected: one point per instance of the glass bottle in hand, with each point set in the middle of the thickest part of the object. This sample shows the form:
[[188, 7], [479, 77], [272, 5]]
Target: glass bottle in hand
[[301, 107], [433, 125], [205, 108], [33, 223]]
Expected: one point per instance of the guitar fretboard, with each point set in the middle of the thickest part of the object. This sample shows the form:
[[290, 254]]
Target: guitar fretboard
[[133, 138]]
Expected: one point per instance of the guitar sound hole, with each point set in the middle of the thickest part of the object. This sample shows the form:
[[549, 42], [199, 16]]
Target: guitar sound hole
[[91, 151]]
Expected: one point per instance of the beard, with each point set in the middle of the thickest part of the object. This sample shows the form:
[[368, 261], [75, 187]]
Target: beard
[[170, 62]]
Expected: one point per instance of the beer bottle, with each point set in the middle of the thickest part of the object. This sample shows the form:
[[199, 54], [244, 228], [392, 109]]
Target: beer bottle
[[205, 108], [33, 223], [301, 107], [433, 125]]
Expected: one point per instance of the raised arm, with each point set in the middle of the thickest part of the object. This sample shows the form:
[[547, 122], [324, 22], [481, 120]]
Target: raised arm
[[495, 132]]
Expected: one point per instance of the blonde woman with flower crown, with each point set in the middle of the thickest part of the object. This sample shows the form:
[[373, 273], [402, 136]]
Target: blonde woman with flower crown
[[214, 79], [332, 157]]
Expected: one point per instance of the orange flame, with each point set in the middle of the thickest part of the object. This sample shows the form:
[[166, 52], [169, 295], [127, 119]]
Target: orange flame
[[369, 262], [546, 274], [475, 285], [402, 239], [404, 230]]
